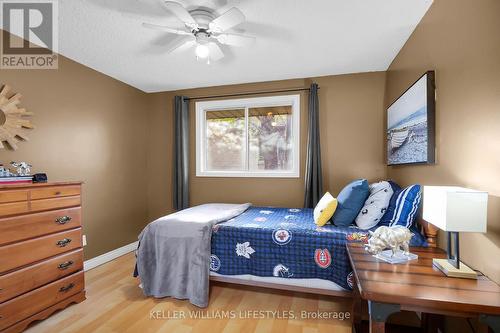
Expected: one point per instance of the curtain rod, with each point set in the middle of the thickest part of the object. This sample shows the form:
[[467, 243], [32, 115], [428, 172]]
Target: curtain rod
[[250, 93]]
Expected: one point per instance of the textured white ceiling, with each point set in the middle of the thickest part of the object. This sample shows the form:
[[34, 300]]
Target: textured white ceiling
[[295, 39]]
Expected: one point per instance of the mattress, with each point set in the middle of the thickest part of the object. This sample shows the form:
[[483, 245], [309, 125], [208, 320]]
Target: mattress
[[320, 284], [285, 243]]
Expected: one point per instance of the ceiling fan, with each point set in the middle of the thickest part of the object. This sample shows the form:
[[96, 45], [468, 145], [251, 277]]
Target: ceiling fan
[[204, 30]]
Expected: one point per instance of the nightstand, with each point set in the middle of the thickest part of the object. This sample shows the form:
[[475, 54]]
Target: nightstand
[[418, 286]]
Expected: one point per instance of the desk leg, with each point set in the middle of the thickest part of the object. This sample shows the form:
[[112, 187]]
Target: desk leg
[[432, 323], [377, 326], [356, 310], [379, 312], [492, 321]]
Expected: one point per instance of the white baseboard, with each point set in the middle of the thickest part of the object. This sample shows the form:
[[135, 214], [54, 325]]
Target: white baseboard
[[108, 256]]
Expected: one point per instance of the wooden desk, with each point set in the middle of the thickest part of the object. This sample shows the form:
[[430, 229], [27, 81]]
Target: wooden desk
[[418, 286]]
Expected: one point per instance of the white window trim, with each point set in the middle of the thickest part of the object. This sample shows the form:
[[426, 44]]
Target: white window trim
[[246, 103]]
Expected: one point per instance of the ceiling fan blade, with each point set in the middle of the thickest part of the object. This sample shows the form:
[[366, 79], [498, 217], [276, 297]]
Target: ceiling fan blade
[[181, 44], [166, 29], [215, 51], [235, 40], [182, 14], [226, 21]]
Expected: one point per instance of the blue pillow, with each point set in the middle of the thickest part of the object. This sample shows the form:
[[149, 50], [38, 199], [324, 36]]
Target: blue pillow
[[386, 218], [417, 239], [350, 201], [406, 204]]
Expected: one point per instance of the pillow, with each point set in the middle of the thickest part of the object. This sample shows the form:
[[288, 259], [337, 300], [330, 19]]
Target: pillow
[[350, 201], [375, 206], [386, 219], [406, 207], [324, 209], [417, 239]]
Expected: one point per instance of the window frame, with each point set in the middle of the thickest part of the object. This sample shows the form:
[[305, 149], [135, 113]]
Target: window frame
[[246, 103]]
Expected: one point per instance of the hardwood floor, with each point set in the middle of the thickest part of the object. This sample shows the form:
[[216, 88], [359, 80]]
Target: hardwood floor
[[116, 304]]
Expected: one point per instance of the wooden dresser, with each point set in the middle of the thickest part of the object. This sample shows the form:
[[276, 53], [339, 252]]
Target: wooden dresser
[[41, 255]]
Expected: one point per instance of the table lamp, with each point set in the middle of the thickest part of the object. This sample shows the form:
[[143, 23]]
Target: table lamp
[[455, 209]]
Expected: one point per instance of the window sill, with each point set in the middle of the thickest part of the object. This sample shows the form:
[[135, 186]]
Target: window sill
[[225, 174]]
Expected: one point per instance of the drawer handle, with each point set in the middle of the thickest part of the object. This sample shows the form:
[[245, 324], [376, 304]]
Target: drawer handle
[[65, 265], [66, 288], [58, 193], [63, 242], [63, 219]]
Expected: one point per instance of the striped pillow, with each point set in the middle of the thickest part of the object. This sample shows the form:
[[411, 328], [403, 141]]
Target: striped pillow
[[406, 208]]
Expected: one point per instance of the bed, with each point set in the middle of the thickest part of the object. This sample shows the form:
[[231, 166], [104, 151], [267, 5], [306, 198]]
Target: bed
[[279, 248], [282, 248]]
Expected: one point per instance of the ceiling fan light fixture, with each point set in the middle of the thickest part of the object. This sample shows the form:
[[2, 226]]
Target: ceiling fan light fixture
[[203, 30], [202, 51]]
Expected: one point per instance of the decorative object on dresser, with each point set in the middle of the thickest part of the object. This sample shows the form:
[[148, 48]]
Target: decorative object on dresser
[[16, 180], [40, 178], [455, 209], [21, 175], [13, 122], [22, 168], [41, 255], [5, 172], [418, 286]]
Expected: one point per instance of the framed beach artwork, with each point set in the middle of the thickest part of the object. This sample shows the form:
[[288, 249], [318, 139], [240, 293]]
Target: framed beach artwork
[[410, 124]]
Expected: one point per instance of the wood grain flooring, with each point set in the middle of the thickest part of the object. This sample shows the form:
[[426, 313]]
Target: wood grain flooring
[[116, 304]]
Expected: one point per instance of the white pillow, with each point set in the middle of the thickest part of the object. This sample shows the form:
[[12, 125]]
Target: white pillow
[[375, 206]]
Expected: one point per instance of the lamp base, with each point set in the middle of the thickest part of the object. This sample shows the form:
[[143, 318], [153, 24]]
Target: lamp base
[[463, 272]]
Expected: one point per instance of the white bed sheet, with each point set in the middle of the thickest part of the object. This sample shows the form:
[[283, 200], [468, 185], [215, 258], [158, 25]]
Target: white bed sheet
[[314, 283]]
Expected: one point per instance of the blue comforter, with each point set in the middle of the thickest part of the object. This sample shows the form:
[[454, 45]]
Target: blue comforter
[[284, 242]]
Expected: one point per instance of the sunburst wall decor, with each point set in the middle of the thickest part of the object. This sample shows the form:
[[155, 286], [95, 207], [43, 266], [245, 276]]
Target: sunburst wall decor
[[13, 122]]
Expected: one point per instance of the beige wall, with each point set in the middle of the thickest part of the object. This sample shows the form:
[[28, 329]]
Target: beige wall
[[351, 117], [459, 39], [159, 155], [89, 127]]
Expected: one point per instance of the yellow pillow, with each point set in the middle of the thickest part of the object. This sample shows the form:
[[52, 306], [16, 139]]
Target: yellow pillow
[[324, 209]]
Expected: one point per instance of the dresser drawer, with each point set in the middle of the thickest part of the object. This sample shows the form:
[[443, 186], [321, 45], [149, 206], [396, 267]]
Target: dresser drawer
[[39, 299], [27, 252], [47, 204], [54, 192], [12, 196], [13, 208], [13, 229], [39, 274]]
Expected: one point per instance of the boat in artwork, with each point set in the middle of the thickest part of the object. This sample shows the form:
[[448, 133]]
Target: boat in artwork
[[398, 137]]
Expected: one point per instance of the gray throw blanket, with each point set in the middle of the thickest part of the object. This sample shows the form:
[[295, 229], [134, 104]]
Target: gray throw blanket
[[173, 258]]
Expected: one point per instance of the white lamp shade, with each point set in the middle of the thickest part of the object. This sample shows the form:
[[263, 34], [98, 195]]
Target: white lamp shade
[[458, 209]]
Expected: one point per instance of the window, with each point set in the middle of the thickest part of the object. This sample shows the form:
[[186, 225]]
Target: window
[[250, 137]]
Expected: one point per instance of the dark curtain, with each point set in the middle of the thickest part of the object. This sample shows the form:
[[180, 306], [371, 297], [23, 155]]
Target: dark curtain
[[181, 153], [314, 177]]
